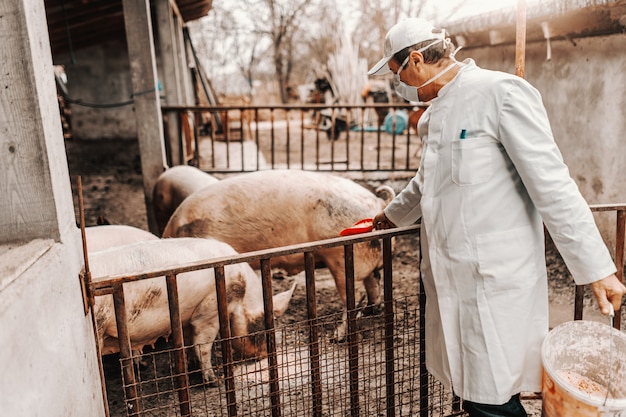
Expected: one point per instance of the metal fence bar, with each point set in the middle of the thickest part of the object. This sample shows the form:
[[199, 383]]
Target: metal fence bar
[[348, 126], [579, 300], [128, 369], [105, 285], [196, 141], [394, 124], [213, 135], [362, 153], [242, 118], [270, 336], [256, 137], [288, 144], [317, 146], [353, 347], [180, 365], [620, 237], [301, 140], [227, 139], [222, 309], [389, 333], [242, 138], [333, 136], [314, 343], [424, 386], [407, 156], [456, 403], [180, 140], [220, 132], [619, 257], [88, 297]]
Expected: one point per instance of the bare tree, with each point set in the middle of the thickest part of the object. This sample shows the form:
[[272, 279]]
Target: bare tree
[[213, 36], [376, 18], [318, 41], [280, 21], [283, 38], [291, 41]]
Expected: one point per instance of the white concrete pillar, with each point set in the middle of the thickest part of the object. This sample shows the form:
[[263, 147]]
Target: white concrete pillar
[[49, 362]]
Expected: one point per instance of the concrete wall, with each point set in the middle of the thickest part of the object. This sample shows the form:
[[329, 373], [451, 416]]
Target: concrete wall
[[49, 362], [584, 90], [101, 76]]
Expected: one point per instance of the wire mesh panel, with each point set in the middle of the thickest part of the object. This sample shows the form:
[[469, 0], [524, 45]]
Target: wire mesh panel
[[318, 360], [377, 368], [298, 393]]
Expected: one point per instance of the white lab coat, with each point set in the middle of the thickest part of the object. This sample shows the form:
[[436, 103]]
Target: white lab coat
[[483, 200]]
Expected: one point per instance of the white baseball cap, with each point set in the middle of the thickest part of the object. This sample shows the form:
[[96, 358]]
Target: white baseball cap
[[402, 35]]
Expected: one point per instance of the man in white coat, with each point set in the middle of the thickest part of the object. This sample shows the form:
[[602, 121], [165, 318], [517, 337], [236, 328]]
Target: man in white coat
[[490, 177]]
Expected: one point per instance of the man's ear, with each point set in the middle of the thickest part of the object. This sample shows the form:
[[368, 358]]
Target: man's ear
[[416, 57]]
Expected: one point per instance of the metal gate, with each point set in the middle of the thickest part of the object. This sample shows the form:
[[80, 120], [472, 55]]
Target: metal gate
[[378, 370]]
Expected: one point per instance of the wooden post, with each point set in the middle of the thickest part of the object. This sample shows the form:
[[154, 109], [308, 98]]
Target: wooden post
[[173, 66], [146, 95], [35, 180], [520, 39]]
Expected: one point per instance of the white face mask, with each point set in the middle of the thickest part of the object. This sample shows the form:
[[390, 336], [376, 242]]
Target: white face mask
[[409, 92]]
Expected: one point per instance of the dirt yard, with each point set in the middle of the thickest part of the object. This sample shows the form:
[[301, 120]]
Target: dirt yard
[[112, 188]]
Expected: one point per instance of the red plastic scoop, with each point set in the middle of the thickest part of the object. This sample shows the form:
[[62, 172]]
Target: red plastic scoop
[[362, 226]]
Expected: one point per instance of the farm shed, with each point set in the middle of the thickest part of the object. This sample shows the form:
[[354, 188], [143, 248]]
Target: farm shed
[[49, 361], [124, 59], [574, 56]]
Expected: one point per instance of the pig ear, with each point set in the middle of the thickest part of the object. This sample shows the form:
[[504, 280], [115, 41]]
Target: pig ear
[[386, 193], [281, 301]]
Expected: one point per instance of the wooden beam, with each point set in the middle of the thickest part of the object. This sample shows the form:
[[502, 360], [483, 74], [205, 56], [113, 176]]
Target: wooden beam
[[34, 177], [171, 72], [146, 95], [175, 10], [520, 39]]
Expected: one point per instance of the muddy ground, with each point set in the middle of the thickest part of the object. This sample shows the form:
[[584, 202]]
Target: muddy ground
[[112, 189]]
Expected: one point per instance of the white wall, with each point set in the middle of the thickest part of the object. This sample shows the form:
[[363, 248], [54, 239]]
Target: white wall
[[583, 87], [48, 361]]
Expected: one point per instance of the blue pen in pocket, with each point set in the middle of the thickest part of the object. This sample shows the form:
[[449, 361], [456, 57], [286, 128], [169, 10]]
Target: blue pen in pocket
[[463, 134]]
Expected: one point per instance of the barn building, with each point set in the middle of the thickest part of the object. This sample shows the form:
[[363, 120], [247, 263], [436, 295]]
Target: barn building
[[49, 360]]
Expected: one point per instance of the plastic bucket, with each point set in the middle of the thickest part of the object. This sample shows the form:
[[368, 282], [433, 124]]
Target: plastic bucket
[[576, 371], [402, 119]]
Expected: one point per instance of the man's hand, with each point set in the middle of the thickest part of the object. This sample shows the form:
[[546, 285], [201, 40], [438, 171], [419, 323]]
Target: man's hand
[[607, 291], [381, 222]]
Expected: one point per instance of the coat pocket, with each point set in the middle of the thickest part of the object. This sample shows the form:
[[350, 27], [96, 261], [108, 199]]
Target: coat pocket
[[508, 260], [472, 160]]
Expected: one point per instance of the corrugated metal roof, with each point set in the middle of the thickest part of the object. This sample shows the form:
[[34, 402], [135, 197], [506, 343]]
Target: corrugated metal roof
[[562, 18]]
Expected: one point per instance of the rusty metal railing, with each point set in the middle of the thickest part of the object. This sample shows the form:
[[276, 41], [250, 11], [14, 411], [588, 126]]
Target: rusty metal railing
[[333, 137], [114, 285], [620, 236]]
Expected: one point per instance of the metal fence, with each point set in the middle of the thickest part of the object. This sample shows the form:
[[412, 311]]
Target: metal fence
[[379, 370], [620, 238], [335, 137]]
